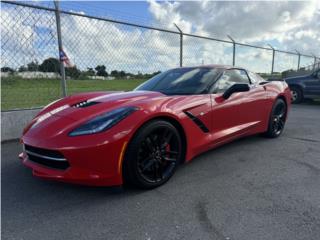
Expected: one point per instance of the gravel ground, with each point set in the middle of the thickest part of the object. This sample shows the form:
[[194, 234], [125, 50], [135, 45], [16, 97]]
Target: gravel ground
[[254, 188]]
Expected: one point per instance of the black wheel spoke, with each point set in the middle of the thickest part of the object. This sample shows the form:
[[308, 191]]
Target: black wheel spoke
[[281, 115], [155, 140], [167, 136], [170, 152], [155, 172], [170, 159], [160, 171], [275, 125], [147, 164], [281, 123], [149, 144]]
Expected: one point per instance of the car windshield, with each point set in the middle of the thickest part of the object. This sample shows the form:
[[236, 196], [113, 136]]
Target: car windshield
[[181, 81]]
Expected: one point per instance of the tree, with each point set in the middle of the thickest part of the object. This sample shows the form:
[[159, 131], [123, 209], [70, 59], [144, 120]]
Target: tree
[[91, 72], [33, 66], [73, 72], [101, 70], [139, 75], [22, 69], [7, 69], [50, 65], [156, 73], [122, 74], [114, 73]]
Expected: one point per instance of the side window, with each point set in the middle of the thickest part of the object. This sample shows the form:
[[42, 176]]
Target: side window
[[255, 78], [229, 78], [244, 76]]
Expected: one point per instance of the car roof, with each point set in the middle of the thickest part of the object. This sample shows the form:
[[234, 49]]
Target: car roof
[[220, 66]]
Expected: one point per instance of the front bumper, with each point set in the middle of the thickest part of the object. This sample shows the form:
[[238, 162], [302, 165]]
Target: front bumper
[[89, 163]]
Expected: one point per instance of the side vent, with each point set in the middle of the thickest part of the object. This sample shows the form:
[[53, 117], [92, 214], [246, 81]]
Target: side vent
[[198, 122], [84, 104]]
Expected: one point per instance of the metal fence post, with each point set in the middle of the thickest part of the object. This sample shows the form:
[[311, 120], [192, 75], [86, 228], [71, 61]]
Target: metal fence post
[[273, 53], [181, 44], [234, 51], [62, 70], [314, 63], [299, 55]]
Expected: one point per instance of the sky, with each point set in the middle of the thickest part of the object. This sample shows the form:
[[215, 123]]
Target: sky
[[286, 25]]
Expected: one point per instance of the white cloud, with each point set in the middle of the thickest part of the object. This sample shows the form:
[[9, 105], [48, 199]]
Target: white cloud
[[246, 21], [290, 24], [30, 34]]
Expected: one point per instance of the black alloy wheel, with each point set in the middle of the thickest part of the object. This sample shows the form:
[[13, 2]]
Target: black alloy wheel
[[153, 155], [277, 119]]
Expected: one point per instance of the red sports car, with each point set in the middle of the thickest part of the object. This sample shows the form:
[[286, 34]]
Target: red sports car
[[140, 137]]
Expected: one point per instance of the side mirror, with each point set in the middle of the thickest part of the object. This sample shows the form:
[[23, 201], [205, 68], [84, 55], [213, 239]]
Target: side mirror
[[238, 87]]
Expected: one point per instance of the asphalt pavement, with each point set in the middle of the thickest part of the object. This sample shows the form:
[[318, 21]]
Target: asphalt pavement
[[254, 188]]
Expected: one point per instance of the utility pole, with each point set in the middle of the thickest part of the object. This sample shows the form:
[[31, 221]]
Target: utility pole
[[181, 44], [61, 54]]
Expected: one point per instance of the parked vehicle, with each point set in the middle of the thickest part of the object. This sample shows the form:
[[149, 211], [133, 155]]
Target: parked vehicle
[[140, 137], [302, 87]]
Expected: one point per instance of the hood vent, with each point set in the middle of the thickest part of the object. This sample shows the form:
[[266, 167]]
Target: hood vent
[[84, 104]]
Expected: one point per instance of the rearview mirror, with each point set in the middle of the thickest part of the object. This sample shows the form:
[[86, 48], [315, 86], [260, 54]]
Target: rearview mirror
[[238, 87]]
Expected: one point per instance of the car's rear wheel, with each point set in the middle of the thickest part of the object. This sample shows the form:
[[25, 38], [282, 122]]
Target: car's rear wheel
[[277, 119], [296, 95], [153, 155]]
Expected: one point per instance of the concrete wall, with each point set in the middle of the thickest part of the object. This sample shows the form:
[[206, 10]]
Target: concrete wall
[[13, 122]]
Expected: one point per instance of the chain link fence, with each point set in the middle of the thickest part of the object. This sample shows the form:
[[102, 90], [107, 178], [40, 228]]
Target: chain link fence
[[108, 54]]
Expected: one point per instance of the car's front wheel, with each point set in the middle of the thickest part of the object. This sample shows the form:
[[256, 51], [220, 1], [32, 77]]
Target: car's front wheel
[[153, 155], [277, 119]]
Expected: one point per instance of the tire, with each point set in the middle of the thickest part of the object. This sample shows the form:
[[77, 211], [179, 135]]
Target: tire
[[277, 119], [296, 95], [153, 155]]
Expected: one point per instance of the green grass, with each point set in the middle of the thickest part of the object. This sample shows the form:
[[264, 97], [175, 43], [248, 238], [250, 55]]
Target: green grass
[[28, 93], [19, 93]]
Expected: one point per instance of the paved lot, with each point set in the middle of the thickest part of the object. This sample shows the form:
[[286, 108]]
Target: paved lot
[[254, 188]]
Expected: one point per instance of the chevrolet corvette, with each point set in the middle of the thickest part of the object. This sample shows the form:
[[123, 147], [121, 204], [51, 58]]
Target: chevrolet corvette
[[140, 137]]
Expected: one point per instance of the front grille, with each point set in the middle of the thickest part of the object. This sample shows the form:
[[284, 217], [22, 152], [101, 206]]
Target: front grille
[[46, 157]]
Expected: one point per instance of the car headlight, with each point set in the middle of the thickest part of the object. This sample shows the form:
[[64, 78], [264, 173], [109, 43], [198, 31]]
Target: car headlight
[[103, 122]]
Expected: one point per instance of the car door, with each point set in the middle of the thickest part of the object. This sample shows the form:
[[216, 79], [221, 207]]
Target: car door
[[312, 84], [233, 117], [257, 100]]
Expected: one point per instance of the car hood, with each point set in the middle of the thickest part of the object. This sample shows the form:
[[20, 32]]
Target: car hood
[[82, 107], [89, 104]]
